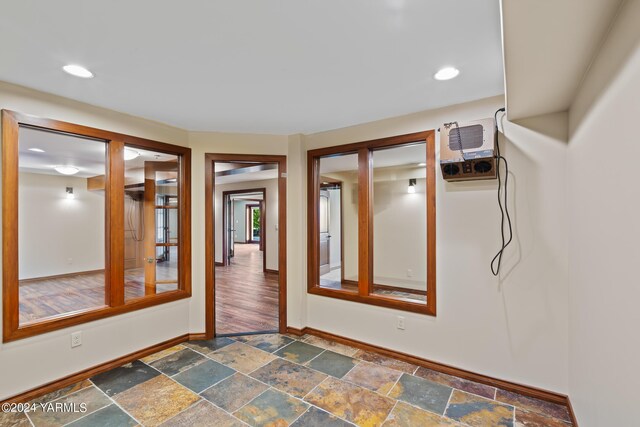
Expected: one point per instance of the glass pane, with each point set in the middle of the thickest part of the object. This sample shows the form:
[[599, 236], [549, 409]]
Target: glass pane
[[400, 223], [61, 222], [151, 222], [338, 222]]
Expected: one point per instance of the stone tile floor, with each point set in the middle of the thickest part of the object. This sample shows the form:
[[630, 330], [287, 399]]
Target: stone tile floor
[[278, 380]]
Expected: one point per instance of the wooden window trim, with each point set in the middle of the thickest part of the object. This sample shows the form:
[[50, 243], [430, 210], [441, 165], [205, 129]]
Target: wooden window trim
[[114, 227], [365, 222]]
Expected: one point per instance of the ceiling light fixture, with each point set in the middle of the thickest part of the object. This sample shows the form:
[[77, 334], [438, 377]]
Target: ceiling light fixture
[[36, 150], [422, 164], [78, 71], [412, 186], [130, 154], [67, 170], [446, 73]]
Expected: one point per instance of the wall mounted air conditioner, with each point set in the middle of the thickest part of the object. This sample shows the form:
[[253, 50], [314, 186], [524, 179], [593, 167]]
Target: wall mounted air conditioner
[[467, 150]]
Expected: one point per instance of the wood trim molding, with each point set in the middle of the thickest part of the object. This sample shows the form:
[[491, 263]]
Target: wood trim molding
[[114, 303], [94, 370], [210, 160], [538, 393]]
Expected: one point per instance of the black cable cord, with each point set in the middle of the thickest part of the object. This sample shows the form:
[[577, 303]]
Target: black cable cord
[[504, 210]]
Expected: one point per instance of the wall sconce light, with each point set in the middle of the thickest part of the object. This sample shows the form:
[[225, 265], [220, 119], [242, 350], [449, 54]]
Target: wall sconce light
[[70, 193], [412, 186]]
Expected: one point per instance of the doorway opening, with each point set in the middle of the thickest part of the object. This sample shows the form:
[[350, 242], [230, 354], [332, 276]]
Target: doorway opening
[[245, 244]]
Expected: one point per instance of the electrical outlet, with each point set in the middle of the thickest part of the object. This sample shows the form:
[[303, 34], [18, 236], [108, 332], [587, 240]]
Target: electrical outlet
[[400, 324], [76, 339], [409, 272]]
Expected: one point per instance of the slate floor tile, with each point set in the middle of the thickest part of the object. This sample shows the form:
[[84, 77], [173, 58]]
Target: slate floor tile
[[456, 382], [289, 377], [334, 364], [299, 352], [477, 411], [269, 342], [405, 415], [330, 345], [178, 362], [92, 397], [203, 414], [315, 417], [422, 393], [242, 357], [110, 416], [208, 346], [388, 362], [350, 402], [156, 400], [234, 392], [534, 405], [14, 419], [159, 355], [533, 419], [374, 377], [271, 408], [124, 377], [203, 375]]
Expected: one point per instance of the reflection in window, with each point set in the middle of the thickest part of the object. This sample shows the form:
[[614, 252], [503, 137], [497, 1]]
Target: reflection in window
[[61, 223], [338, 222], [151, 222], [399, 226]]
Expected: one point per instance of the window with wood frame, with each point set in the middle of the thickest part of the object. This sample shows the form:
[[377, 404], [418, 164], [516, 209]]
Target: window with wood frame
[[95, 223], [371, 222]]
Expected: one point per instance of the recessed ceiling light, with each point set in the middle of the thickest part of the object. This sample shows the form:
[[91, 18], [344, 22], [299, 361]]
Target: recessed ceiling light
[[78, 71], [446, 73], [67, 170], [130, 154], [37, 150]]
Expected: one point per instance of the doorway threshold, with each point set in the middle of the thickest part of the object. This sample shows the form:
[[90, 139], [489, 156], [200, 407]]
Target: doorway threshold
[[238, 334]]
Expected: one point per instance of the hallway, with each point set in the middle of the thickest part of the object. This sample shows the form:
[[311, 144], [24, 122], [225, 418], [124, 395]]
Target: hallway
[[246, 298]]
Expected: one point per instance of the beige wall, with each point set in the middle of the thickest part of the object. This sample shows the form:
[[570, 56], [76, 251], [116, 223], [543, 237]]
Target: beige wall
[[604, 348], [513, 328]]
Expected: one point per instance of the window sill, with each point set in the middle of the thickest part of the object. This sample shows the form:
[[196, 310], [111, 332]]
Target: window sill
[[376, 300]]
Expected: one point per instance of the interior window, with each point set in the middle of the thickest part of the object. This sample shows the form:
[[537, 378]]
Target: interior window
[[399, 226], [61, 223], [338, 222], [151, 222], [371, 220], [94, 224]]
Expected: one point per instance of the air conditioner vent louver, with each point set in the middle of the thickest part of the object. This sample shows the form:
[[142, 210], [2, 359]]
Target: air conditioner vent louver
[[472, 137]]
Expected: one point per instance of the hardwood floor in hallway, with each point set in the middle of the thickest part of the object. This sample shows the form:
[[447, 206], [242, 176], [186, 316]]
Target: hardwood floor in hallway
[[246, 298]]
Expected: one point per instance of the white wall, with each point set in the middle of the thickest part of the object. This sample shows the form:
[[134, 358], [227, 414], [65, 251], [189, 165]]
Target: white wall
[[271, 186], [23, 363], [514, 328], [239, 221], [58, 235], [604, 348]]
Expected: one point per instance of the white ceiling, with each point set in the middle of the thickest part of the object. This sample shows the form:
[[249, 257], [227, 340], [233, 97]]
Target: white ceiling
[[548, 47], [279, 67], [86, 154]]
